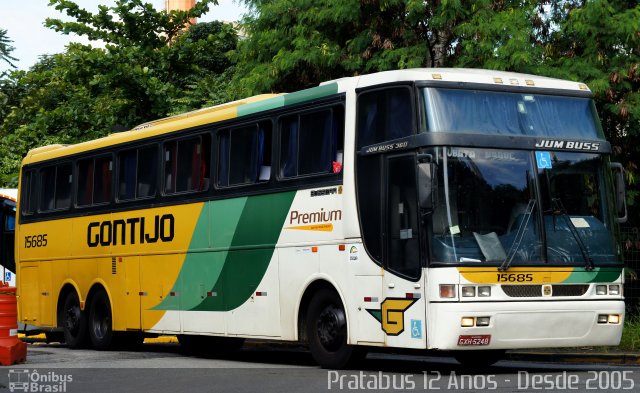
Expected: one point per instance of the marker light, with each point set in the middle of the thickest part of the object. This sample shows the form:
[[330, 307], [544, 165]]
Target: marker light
[[484, 291], [468, 291], [468, 322], [447, 291], [601, 289], [483, 321], [614, 289]]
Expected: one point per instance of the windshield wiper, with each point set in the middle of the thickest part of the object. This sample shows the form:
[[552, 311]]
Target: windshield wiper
[[558, 209], [522, 228]]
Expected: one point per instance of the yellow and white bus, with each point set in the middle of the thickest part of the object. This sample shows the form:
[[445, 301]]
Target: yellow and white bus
[[433, 209]]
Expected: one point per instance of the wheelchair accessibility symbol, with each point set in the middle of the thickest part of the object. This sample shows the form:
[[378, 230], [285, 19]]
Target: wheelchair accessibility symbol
[[416, 328], [543, 158]]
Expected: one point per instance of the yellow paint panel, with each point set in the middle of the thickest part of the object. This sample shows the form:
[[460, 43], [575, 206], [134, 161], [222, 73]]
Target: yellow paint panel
[[515, 275]]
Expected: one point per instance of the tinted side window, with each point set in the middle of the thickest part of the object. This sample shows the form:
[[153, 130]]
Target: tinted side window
[[94, 181], [384, 115], [29, 194], [55, 187], [137, 173], [186, 164], [103, 180], [244, 155], [312, 143]]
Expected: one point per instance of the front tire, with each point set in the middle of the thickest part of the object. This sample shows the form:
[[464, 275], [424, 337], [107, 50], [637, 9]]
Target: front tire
[[327, 332], [100, 329], [74, 322]]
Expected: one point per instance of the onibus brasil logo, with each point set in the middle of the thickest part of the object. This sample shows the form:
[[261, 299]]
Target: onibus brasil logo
[[391, 314], [34, 381]]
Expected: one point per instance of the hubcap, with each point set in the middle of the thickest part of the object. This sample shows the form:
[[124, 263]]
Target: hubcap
[[72, 320], [101, 321], [331, 327]]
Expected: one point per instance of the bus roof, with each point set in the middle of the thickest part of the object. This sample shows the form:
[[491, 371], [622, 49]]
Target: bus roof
[[468, 75], [263, 102], [9, 193]]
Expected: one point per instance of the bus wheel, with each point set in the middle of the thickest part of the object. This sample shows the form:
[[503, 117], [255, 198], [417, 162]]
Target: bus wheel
[[74, 322], [479, 359], [100, 330], [327, 332]]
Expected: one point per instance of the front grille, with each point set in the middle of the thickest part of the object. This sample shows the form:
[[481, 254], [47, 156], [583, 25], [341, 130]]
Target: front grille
[[536, 290], [570, 290], [522, 290]]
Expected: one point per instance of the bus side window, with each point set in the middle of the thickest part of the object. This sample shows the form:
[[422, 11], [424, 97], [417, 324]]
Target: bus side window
[[55, 187], [187, 164], [127, 174], [384, 115], [244, 155], [103, 178], [29, 194], [137, 173], [312, 143], [146, 171], [84, 193]]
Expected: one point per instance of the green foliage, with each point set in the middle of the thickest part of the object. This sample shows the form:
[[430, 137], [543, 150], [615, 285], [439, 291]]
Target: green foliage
[[128, 23], [630, 340], [5, 52], [142, 74]]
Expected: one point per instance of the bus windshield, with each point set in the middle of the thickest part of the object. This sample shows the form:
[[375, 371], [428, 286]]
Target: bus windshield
[[506, 113], [519, 207]]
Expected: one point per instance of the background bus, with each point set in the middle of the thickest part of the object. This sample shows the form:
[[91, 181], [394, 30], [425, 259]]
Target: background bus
[[458, 210], [8, 198]]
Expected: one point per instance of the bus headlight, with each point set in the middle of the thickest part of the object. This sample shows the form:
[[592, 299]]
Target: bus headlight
[[614, 289], [601, 289], [468, 291], [484, 291], [447, 291]]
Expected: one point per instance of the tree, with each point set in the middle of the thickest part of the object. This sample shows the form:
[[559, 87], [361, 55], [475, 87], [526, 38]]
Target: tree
[[297, 43], [5, 51], [86, 92], [598, 42], [128, 23]]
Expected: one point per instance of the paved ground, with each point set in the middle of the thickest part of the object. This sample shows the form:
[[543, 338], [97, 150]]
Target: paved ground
[[163, 367]]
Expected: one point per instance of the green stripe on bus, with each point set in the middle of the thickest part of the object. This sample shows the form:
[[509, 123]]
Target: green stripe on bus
[[288, 99], [201, 270], [252, 224], [259, 226], [596, 275], [311, 94], [259, 106]]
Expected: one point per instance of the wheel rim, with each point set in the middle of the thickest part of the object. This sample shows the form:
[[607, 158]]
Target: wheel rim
[[101, 321], [72, 319], [331, 328]]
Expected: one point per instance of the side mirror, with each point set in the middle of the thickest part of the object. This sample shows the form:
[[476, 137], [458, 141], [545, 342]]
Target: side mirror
[[426, 184], [620, 191]]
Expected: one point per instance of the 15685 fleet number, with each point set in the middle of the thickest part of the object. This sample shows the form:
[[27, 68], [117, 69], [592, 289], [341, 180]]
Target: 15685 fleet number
[[35, 241]]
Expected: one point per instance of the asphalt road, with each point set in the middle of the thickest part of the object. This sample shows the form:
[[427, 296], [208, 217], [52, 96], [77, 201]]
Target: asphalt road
[[265, 368]]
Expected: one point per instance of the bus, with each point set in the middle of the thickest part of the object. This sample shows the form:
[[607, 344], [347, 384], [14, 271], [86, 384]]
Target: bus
[[8, 198], [459, 210]]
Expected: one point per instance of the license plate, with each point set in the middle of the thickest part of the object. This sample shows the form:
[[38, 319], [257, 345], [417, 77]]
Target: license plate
[[483, 339]]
